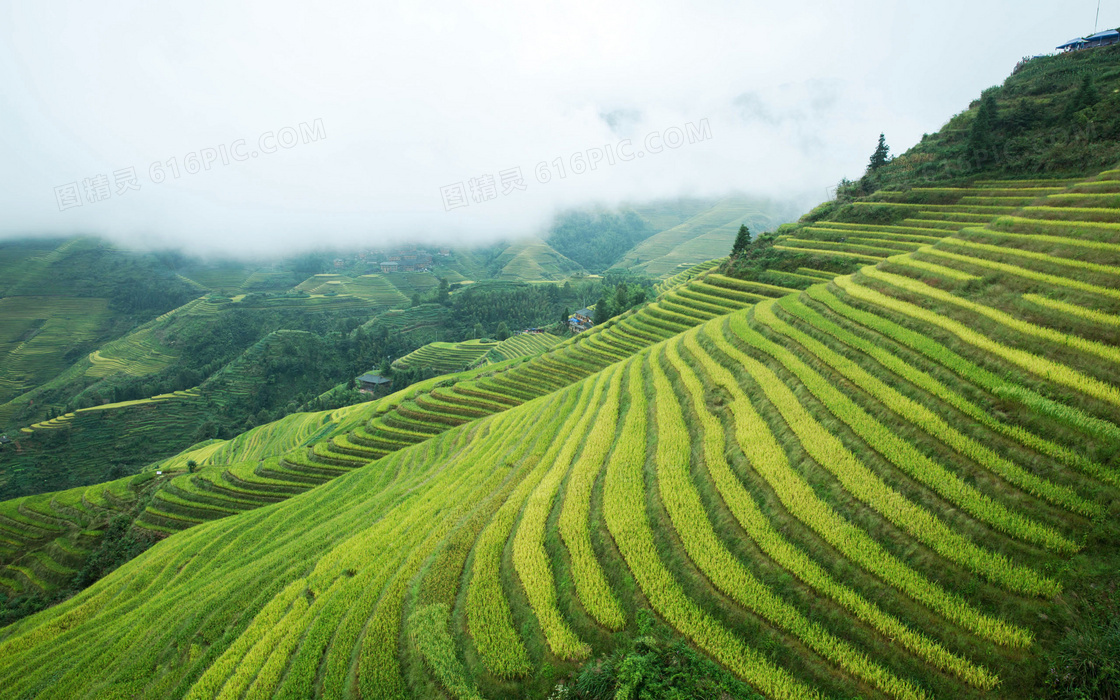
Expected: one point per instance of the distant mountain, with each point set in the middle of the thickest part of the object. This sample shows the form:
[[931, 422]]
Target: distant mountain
[[706, 235], [676, 233], [596, 238], [531, 260]]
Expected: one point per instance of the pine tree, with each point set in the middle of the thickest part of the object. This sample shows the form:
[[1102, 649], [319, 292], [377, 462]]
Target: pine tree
[[981, 138], [742, 240], [602, 311], [503, 331], [881, 156], [621, 298]]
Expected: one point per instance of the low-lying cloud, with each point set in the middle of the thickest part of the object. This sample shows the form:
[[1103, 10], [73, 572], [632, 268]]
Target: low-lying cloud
[[257, 127]]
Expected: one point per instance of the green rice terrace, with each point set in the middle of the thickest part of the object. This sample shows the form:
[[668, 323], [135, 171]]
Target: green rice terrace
[[378, 290], [886, 466], [445, 357], [707, 235], [533, 259], [520, 345]]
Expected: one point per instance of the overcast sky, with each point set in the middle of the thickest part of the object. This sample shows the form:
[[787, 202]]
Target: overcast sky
[[403, 104]]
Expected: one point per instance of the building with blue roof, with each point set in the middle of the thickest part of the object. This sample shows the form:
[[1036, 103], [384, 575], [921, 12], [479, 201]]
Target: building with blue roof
[[1072, 45], [1105, 38]]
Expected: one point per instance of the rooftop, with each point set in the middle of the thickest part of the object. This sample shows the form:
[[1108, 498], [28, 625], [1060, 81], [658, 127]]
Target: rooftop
[[1098, 37]]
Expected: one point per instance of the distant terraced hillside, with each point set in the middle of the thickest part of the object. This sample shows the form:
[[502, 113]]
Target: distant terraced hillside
[[533, 259], [437, 405], [378, 290], [149, 348], [70, 449], [59, 299], [521, 345], [87, 325], [703, 237], [879, 485], [445, 357]]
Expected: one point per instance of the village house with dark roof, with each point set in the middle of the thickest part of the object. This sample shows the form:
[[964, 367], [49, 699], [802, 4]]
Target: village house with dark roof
[[371, 382], [581, 320]]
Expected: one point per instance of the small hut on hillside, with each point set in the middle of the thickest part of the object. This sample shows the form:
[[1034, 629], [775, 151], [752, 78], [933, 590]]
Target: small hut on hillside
[[371, 382]]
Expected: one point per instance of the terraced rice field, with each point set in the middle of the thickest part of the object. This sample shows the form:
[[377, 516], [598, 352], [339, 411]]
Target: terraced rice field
[[423, 322], [521, 345], [703, 237], [445, 357], [378, 290], [45, 540], [410, 283], [281, 456], [267, 281], [26, 267], [866, 488], [375, 289], [225, 280], [685, 275], [929, 214], [532, 260], [38, 332], [22, 260], [139, 353], [271, 439], [60, 421]]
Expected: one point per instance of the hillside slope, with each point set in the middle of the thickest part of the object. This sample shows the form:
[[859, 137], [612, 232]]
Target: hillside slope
[[889, 484], [289, 456], [533, 259], [60, 299], [704, 236], [596, 237]]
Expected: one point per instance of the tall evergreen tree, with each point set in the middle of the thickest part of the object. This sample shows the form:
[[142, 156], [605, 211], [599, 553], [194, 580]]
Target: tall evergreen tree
[[742, 240], [981, 137], [621, 297], [881, 156], [602, 311]]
